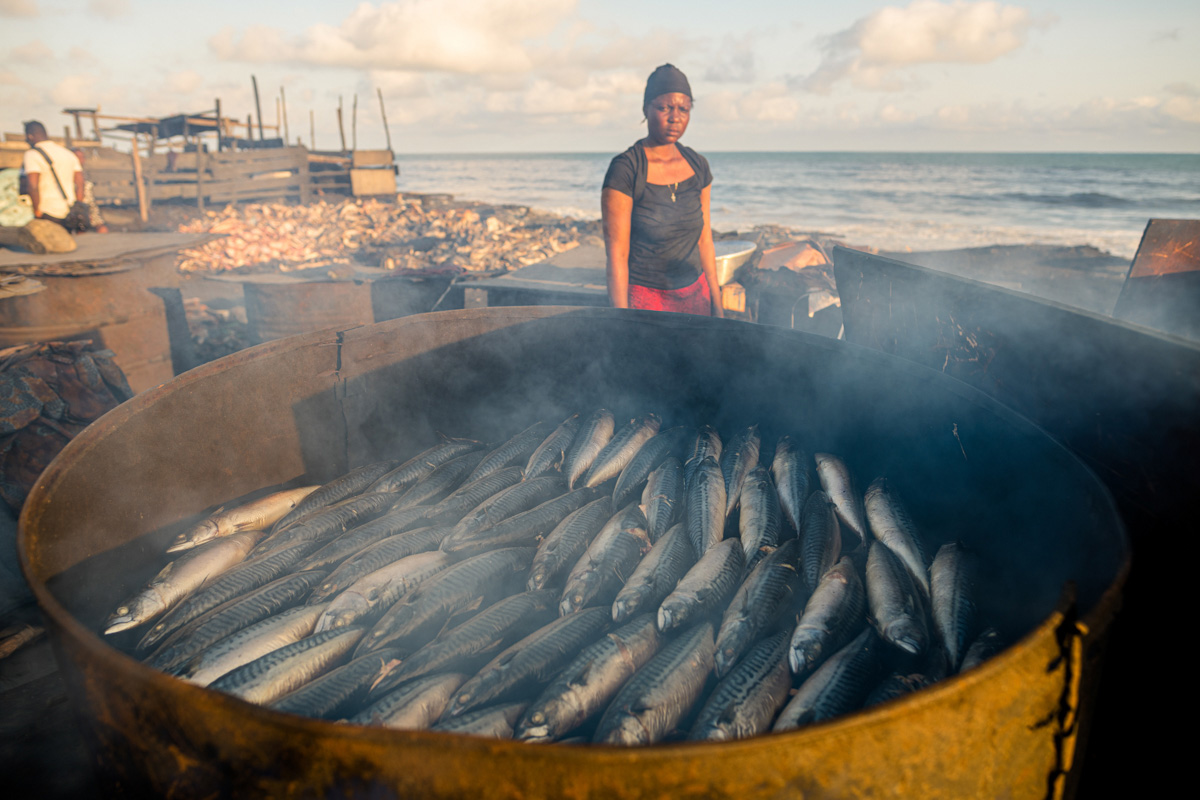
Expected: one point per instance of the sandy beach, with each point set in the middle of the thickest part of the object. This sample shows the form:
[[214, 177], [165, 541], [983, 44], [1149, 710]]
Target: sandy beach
[[438, 233]]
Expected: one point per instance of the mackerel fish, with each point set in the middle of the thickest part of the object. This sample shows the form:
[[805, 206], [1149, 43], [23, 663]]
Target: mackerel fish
[[613, 554], [257, 515], [770, 586], [746, 701], [595, 433], [621, 449], [180, 578], [530, 662], [569, 540], [655, 575], [590, 681], [272, 676], [657, 698], [551, 453], [739, 458], [705, 588], [839, 484]]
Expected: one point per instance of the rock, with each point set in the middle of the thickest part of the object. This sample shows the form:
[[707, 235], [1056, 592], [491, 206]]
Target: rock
[[39, 236]]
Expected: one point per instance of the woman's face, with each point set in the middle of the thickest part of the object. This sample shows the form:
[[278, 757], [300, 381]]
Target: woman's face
[[667, 117]]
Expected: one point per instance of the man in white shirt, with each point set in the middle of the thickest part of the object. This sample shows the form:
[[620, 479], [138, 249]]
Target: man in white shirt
[[43, 162]]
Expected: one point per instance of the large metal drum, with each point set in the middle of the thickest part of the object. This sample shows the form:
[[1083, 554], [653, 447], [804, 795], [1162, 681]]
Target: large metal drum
[[95, 526], [113, 308]]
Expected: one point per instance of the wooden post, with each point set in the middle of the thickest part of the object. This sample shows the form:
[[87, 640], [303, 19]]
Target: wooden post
[[96, 125], [138, 188], [220, 127], [383, 113], [249, 127], [67, 136], [278, 124], [201, 165], [258, 108], [149, 172], [283, 100], [78, 126], [354, 124], [341, 130], [312, 130], [305, 178]]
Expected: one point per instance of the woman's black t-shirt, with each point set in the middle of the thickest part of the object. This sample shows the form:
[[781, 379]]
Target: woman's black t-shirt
[[664, 234]]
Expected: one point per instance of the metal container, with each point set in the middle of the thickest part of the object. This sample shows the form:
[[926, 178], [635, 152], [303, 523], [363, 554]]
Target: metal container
[[314, 405], [113, 308], [731, 254], [1124, 398], [278, 306]]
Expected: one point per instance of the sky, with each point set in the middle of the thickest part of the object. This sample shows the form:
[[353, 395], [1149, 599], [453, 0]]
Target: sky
[[567, 75]]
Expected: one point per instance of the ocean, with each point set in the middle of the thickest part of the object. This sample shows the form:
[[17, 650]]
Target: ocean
[[892, 201]]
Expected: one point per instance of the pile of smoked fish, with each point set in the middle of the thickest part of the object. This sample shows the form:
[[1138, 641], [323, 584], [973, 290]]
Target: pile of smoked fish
[[620, 584]]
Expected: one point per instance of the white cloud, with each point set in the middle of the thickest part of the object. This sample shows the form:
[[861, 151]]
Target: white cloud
[[109, 9], [81, 55], [18, 8], [185, 82], [87, 90], [33, 52], [397, 84], [1092, 117], [872, 52], [733, 61], [1182, 108], [9, 78], [461, 36], [891, 114], [768, 103], [603, 94]]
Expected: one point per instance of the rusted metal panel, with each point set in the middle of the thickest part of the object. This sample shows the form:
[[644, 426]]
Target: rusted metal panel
[[1126, 399], [113, 309], [277, 310], [1162, 290], [316, 404]]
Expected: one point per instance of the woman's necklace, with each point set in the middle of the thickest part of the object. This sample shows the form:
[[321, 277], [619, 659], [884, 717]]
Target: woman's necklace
[[674, 186]]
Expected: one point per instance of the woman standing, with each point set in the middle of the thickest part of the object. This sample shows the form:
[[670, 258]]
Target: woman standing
[[655, 207]]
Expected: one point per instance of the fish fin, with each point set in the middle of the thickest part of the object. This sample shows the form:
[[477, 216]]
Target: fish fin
[[387, 668]]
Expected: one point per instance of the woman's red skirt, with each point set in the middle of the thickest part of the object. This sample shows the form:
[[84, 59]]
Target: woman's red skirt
[[693, 299]]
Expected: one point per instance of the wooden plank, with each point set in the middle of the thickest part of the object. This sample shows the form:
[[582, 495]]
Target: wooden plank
[[11, 159], [171, 191], [109, 193], [372, 158], [256, 156], [366, 182], [251, 190], [107, 174], [228, 171], [289, 183]]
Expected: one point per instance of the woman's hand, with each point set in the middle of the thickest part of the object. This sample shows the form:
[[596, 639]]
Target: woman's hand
[[616, 212], [708, 256]]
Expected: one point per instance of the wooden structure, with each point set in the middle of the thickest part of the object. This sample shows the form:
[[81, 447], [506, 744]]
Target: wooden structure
[[204, 177], [209, 158], [230, 176]]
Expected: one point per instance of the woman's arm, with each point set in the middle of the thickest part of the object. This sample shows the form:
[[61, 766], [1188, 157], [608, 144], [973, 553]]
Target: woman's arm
[[708, 255], [616, 211]]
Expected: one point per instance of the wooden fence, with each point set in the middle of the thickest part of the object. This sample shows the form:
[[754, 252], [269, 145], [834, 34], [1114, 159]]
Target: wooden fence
[[236, 176]]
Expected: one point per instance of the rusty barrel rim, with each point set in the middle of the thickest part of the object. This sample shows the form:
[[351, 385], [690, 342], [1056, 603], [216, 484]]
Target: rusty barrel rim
[[84, 645]]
